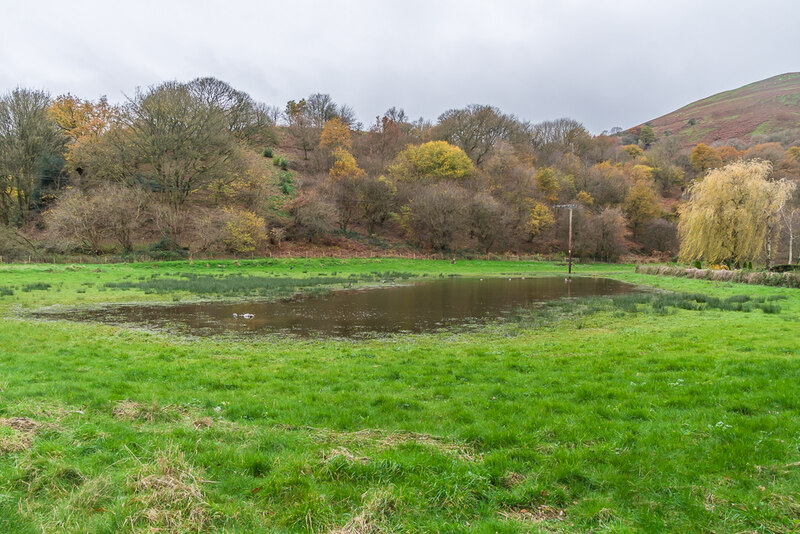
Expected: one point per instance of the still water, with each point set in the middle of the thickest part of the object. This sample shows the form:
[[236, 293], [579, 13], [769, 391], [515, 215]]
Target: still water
[[416, 307]]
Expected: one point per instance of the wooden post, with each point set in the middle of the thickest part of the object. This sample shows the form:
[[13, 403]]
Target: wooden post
[[570, 242]]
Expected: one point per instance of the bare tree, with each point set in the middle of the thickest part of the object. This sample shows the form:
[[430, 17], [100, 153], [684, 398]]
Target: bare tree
[[29, 140], [475, 129], [181, 140]]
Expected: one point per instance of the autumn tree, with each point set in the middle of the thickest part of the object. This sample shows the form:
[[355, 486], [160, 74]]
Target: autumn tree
[[389, 135], [346, 176], [727, 217], [540, 220], [30, 147], [85, 125], [704, 158], [77, 118], [431, 160], [244, 231], [641, 206], [320, 108], [547, 185], [335, 135], [301, 126], [344, 166], [78, 219]]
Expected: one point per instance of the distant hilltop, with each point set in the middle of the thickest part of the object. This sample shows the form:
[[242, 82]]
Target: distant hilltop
[[763, 111]]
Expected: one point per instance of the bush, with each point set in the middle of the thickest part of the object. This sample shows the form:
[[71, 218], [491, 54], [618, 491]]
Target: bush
[[13, 246], [268, 152], [286, 183], [312, 217], [166, 249], [602, 236], [244, 231], [280, 161]]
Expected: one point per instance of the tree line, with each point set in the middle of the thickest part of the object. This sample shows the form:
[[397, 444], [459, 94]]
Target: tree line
[[202, 167]]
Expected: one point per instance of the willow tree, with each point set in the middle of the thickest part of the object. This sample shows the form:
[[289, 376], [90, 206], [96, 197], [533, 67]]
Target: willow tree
[[729, 214]]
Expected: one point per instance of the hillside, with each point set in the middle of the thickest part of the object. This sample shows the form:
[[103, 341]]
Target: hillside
[[766, 107]]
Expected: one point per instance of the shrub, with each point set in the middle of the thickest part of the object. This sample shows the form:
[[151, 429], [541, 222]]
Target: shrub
[[244, 231], [268, 152], [166, 249], [286, 183], [280, 161], [312, 217]]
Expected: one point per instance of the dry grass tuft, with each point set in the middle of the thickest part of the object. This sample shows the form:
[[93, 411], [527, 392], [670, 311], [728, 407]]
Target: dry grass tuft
[[342, 452], [374, 514], [22, 424], [18, 435], [169, 496], [202, 423], [512, 479], [129, 410], [15, 442], [535, 514], [381, 440]]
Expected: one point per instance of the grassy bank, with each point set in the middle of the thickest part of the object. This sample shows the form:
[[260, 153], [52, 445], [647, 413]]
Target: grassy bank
[[642, 415]]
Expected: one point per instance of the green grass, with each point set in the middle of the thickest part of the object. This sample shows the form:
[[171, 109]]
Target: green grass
[[675, 411]]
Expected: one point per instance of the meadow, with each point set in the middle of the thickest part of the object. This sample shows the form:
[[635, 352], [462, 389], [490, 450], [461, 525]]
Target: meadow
[[672, 411]]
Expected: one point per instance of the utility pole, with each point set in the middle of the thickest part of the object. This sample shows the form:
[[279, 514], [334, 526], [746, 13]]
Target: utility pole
[[569, 246]]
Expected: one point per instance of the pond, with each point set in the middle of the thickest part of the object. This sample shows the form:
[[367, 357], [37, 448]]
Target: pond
[[416, 307]]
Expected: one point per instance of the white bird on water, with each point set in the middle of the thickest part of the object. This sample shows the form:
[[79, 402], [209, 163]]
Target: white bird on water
[[243, 316]]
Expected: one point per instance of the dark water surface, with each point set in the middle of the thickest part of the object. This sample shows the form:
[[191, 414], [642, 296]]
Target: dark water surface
[[421, 306]]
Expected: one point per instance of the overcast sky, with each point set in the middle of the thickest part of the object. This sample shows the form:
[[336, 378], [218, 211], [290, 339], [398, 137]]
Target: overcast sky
[[605, 63]]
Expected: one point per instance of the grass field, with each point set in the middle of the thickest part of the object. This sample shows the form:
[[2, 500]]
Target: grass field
[[634, 415]]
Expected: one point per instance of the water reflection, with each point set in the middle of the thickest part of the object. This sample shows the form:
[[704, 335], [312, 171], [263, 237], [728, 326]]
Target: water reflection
[[417, 307]]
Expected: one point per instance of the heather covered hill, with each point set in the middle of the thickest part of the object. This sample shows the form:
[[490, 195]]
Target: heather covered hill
[[768, 110]]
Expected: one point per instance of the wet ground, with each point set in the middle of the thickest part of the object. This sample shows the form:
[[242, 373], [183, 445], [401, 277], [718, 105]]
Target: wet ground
[[414, 307]]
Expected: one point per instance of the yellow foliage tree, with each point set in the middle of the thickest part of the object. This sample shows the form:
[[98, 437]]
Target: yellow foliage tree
[[244, 231], [77, 118], [547, 184], [633, 151], [704, 158], [335, 135], [584, 198], [540, 219], [344, 166], [432, 160], [728, 214], [641, 206]]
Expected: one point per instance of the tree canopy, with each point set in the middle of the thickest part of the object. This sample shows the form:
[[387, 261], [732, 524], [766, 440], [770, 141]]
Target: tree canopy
[[432, 160], [726, 217]]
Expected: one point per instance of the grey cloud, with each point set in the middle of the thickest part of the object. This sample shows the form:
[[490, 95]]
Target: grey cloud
[[605, 63]]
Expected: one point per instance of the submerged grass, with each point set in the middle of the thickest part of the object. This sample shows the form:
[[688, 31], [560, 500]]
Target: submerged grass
[[675, 411]]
